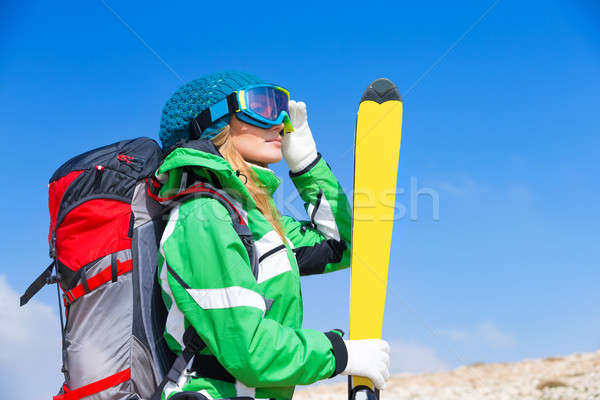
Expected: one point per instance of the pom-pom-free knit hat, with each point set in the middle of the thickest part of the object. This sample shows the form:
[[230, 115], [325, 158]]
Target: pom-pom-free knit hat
[[193, 98]]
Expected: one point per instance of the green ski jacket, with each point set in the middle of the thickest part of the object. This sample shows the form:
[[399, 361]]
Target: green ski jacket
[[252, 326]]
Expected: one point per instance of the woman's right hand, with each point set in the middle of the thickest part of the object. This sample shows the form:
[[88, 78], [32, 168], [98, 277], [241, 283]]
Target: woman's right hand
[[298, 147], [369, 358]]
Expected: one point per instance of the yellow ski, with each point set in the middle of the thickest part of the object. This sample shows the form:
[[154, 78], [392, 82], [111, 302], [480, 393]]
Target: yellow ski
[[376, 151]]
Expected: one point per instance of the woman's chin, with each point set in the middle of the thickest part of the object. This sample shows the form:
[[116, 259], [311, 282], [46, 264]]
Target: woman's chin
[[272, 154], [267, 157], [274, 158]]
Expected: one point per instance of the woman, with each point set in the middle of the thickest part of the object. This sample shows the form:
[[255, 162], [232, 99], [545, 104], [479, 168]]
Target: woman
[[250, 320]]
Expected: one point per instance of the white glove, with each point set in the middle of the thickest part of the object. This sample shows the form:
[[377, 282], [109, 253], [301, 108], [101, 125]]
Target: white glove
[[298, 147], [369, 358]]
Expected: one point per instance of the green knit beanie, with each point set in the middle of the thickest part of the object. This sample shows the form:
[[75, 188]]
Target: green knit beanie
[[193, 98]]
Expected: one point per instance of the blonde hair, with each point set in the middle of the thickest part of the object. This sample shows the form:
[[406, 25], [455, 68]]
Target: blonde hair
[[263, 200]]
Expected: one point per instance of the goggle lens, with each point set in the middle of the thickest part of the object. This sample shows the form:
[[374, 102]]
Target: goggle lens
[[268, 102]]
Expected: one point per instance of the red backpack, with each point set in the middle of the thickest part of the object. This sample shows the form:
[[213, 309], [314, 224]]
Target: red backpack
[[105, 228]]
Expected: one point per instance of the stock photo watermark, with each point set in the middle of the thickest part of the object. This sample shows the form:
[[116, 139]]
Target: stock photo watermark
[[383, 205], [389, 205]]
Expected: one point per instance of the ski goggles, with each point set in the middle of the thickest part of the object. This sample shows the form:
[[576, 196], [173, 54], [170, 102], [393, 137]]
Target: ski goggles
[[260, 105]]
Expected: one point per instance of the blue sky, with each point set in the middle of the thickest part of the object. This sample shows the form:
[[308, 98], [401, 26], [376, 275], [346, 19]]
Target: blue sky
[[503, 127]]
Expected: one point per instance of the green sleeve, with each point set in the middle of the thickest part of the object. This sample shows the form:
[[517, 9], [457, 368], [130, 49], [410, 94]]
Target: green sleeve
[[322, 243], [212, 285]]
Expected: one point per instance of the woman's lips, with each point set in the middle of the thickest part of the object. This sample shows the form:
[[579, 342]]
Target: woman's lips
[[277, 139]]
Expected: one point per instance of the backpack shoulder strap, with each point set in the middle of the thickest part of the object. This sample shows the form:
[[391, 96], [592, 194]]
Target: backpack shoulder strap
[[205, 189], [192, 342]]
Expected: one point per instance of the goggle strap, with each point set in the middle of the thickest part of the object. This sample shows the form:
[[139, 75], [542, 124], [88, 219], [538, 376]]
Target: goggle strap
[[218, 110], [232, 102]]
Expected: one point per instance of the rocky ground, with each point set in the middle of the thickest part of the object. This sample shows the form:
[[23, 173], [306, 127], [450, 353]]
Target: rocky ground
[[574, 377]]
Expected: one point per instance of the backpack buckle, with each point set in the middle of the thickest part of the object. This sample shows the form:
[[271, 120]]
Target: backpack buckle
[[54, 278], [52, 249]]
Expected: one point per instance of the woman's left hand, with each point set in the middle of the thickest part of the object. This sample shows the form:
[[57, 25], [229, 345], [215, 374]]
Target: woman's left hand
[[298, 147]]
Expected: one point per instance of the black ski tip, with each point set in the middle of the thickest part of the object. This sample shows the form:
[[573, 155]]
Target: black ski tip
[[363, 393], [380, 91]]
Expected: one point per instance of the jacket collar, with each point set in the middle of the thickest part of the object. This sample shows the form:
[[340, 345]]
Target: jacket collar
[[267, 178], [204, 154]]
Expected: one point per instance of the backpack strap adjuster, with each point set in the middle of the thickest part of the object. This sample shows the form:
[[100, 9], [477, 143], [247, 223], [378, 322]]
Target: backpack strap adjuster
[[193, 344]]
